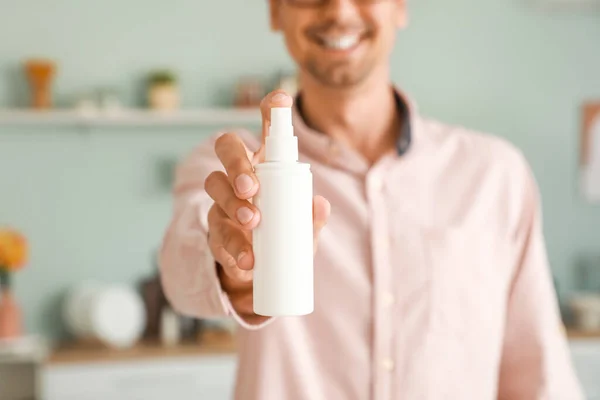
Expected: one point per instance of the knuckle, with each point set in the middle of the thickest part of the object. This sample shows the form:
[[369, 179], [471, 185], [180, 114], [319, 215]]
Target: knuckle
[[240, 164], [230, 242], [225, 260], [230, 262], [231, 204]]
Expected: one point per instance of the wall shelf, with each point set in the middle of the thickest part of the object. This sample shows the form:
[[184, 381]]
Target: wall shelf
[[130, 117]]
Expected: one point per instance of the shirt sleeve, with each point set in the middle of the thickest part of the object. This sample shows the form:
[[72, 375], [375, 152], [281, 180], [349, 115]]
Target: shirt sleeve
[[536, 362], [188, 270]]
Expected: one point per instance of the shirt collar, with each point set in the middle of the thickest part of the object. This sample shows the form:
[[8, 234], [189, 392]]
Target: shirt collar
[[321, 146], [406, 129]]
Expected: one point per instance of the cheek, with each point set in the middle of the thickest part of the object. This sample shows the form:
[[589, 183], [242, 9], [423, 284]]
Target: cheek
[[294, 45], [388, 39], [386, 32], [296, 42]]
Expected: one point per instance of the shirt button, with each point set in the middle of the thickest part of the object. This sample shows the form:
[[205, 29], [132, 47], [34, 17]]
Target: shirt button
[[388, 299], [388, 364], [385, 243], [378, 185]]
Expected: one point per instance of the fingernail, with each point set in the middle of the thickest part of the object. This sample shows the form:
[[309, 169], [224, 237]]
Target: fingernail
[[244, 215], [244, 183], [240, 256], [279, 97]]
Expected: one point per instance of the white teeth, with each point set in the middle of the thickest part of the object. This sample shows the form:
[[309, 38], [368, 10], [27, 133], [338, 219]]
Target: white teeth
[[341, 42]]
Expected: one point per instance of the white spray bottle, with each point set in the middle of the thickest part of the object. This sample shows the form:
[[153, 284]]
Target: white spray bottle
[[283, 240]]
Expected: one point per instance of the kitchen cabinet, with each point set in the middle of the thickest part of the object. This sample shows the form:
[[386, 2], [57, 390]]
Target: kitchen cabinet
[[19, 380], [21, 368], [148, 371], [197, 372], [199, 377]]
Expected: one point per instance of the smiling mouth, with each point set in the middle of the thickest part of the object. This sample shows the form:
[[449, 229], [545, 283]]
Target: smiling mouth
[[340, 42]]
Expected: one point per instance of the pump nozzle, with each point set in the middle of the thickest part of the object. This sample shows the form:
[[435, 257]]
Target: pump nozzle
[[281, 144], [281, 121]]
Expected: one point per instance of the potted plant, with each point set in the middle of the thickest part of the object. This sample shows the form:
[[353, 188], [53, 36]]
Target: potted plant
[[13, 256], [163, 91]]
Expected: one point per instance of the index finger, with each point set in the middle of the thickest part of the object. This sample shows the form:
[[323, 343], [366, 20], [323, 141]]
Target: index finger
[[232, 153]]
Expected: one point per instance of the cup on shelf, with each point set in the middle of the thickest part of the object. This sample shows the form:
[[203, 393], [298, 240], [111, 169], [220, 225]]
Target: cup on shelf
[[111, 313]]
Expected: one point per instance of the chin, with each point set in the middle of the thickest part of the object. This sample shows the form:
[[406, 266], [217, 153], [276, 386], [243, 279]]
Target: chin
[[339, 77]]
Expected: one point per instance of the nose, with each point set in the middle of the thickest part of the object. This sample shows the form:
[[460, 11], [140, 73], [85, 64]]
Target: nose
[[340, 9]]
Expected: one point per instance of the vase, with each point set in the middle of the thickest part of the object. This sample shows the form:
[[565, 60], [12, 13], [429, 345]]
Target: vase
[[163, 97], [10, 315], [40, 74]]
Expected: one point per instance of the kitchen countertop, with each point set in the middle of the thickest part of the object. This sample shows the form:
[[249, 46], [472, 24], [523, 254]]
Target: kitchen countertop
[[210, 344], [576, 334], [93, 352]]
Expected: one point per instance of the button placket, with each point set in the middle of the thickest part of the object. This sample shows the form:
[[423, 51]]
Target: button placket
[[383, 297]]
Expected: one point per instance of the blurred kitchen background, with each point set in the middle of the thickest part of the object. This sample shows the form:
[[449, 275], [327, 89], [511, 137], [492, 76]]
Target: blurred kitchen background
[[128, 88]]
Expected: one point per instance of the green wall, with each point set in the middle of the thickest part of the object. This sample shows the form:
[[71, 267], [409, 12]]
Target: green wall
[[94, 202]]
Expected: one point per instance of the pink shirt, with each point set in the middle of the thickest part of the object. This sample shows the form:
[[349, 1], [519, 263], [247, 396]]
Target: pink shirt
[[431, 278]]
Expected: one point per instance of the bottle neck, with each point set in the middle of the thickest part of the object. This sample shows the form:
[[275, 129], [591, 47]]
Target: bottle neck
[[281, 149]]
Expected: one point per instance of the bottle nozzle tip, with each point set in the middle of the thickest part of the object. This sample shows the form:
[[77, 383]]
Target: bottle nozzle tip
[[281, 119]]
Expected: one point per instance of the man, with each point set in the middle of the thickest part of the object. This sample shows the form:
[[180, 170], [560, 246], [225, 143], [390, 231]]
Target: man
[[431, 278]]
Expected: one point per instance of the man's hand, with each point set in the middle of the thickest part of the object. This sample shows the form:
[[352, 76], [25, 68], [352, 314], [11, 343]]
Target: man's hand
[[232, 217]]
